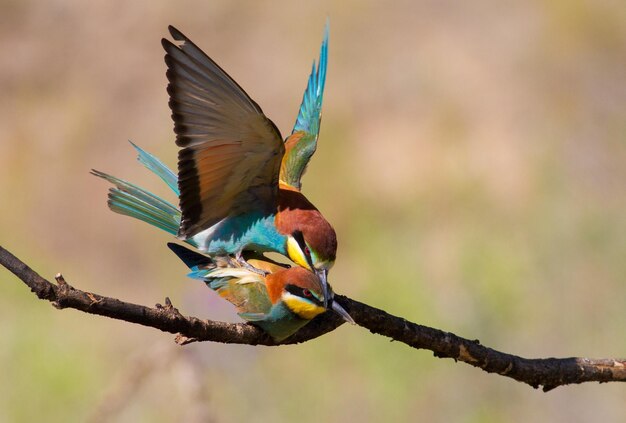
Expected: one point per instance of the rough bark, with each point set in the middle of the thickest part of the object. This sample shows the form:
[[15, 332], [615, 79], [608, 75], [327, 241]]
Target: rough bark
[[547, 373]]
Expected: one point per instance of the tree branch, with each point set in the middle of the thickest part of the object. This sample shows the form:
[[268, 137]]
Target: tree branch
[[548, 373]]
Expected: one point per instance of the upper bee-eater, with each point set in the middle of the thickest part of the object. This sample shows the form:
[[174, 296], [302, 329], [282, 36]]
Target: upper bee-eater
[[280, 301], [239, 182]]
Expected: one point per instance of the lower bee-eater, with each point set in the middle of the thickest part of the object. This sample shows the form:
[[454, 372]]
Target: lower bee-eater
[[279, 302]]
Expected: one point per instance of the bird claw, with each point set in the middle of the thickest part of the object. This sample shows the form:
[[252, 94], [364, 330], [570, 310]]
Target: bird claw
[[243, 263]]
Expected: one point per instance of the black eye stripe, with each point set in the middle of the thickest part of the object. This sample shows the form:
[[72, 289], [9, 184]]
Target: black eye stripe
[[299, 237], [299, 292]]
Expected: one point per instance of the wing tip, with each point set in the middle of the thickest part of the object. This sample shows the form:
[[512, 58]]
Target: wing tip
[[326, 30], [176, 34]]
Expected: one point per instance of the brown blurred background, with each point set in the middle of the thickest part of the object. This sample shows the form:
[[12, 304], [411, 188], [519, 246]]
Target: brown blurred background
[[472, 159]]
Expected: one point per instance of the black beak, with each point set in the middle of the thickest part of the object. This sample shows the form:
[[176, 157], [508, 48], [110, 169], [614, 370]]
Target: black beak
[[342, 312], [323, 275]]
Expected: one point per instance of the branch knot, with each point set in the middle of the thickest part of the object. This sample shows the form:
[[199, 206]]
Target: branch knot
[[548, 373]]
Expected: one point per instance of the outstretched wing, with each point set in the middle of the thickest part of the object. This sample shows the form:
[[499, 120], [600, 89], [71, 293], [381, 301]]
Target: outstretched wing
[[231, 152], [302, 142]]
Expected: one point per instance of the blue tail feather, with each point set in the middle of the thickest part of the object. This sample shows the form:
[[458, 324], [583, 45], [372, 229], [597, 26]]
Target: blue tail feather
[[158, 168], [123, 203], [130, 200]]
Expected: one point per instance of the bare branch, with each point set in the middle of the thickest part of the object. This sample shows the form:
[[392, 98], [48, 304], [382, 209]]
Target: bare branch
[[548, 373]]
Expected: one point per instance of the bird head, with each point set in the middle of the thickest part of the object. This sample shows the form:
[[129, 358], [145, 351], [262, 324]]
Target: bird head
[[314, 247], [303, 293], [311, 242]]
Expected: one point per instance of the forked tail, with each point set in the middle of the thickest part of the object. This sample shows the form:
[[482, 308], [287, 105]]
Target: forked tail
[[130, 200]]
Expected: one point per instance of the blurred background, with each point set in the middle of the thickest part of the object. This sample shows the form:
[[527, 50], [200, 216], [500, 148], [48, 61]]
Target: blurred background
[[472, 159]]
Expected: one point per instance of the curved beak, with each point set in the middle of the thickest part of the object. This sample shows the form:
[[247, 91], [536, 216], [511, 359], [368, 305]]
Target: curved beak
[[342, 312], [323, 275]]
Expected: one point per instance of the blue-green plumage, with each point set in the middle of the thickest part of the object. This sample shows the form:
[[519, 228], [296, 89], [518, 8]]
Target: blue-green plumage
[[131, 200], [280, 322], [239, 181], [238, 186], [256, 230], [249, 292], [158, 168], [301, 145], [310, 112], [258, 298]]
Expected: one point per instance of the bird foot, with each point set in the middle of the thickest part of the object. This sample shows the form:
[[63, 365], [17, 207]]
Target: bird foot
[[243, 263]]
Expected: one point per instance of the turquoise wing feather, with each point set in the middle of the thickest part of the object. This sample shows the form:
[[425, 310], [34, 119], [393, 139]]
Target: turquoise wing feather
[[311, 108], [302, 142]]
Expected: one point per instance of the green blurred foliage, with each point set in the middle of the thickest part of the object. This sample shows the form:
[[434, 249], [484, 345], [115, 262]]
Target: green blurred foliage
[[472, 159]]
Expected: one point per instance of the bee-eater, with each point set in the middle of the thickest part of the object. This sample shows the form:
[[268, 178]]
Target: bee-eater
[[239, 182], [280, 301]]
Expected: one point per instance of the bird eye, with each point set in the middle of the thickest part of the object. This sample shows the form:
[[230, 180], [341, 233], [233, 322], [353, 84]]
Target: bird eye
[[306, 292], [306, 250]]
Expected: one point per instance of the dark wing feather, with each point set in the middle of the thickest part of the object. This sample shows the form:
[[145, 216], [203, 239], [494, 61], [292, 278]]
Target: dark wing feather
[[231, 152]]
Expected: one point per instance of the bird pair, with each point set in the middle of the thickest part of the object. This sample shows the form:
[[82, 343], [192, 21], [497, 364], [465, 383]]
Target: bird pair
[[239, 185]]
